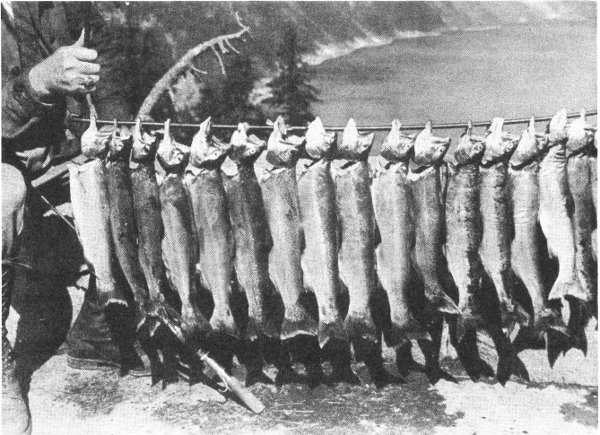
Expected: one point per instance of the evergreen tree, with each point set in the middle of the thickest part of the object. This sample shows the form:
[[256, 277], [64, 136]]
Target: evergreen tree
[[291, 89], [234, 105]]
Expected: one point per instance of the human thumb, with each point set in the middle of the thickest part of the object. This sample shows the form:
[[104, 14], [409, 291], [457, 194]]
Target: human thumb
[[81, 41]]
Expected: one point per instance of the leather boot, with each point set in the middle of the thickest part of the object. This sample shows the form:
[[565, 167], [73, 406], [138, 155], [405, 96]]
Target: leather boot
[[16, 418]]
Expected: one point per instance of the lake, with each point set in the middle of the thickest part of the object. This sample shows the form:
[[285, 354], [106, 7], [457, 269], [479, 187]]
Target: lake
[[514, 71]]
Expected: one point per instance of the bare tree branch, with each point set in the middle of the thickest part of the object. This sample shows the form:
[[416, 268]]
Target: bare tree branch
[[185, 63]]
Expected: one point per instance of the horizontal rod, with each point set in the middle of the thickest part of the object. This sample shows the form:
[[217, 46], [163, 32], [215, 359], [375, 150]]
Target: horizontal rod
[[443, 126]]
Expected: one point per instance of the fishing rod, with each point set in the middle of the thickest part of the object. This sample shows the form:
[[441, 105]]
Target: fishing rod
[[444, 126]]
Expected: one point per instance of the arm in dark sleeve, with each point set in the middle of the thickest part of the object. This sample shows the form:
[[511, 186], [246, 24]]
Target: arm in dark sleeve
[[21, 110]]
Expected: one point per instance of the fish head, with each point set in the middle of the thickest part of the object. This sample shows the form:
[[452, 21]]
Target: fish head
[[498, 144], [528, 146], [171, 154], [577, 136], [429, 149], [557, 128], [397, 146], [283, 150], [355, 146], [468, 149], [144, 144], [319, 143], [120, 143], [206, 150], [244, 147], [94, 142]]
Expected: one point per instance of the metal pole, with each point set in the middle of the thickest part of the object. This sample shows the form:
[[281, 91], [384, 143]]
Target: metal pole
[[444, 126]]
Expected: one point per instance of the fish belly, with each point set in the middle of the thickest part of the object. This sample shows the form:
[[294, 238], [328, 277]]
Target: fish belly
[[356, 254], [146, 203], [580, 181], [555, 219], [123, 228], [280, 197], [319, 258], [91, 210], [252, 246], [392, 212], [215, 245]]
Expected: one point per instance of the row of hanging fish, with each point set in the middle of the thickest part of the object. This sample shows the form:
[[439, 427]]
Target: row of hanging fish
[[303, 249]]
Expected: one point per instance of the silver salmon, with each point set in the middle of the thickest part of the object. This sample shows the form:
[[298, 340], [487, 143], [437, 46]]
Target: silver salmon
[[463, 229], [211, 218], [357, 241], [277, 178], [179, 244], [428, 216], [494, 248], [146, 205], [252, 246], [556, 211], [320, 268], [317, 211], [91, 211], [523, 189], [391, 197], [356, 220], [276, 171], [580, 185], [122, 220]]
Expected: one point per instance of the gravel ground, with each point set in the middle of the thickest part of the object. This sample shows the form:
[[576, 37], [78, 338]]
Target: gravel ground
[[564, 400]]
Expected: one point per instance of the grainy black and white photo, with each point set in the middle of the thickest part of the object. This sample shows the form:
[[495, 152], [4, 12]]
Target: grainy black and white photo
[[299, 217]]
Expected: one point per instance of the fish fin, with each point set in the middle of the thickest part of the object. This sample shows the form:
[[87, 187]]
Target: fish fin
[[361, 326], [332, 331], [577, 322], [298, 321], [468, 353], [556, 343], [562, 288], [510, 364], [445, 304]]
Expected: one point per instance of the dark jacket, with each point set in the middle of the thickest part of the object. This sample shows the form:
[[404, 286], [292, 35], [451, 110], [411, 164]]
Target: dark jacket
[[35, 132]]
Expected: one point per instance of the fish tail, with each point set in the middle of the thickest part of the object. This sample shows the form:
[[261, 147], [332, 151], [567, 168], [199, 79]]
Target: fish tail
[[411, 330], [573, 288], [510, 364], [360, 325], [298, 321], [332, 331]]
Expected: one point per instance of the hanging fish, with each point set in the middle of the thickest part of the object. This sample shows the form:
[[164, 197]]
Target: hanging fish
[[122, 219], [146, 204], [523, 187], [356, 256], [391, 197], [252, 246], [579, 175], [91, 211], [319, 259], [463, 234], [215, 237], [179, 243], [556, 210], [494, 248], [428, 211], [276, 171]]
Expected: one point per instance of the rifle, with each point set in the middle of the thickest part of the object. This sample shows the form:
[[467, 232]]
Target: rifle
[[167, 316]]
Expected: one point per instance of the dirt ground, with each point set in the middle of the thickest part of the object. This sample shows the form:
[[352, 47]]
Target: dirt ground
[[563, 400]]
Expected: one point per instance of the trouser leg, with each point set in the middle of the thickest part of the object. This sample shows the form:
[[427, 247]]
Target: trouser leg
[[15, 412]]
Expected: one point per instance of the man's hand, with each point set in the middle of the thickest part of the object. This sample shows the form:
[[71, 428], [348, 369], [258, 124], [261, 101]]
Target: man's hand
[[69, 70]]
